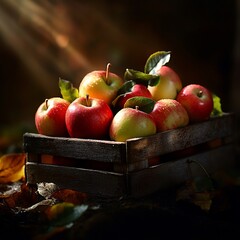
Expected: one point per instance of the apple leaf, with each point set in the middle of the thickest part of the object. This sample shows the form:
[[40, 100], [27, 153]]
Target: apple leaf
[[156, 61], [217, 108], [126, 87], [141, 78], [68, 92], [143, 103]]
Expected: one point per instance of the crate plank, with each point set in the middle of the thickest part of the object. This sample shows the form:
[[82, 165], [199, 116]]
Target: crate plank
[[108, 151], [99, 183], [133, 150], [208, 144], [176, 172], [181, 138]]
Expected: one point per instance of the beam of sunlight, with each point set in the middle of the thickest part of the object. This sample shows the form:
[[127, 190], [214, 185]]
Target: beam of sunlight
[[30, 34]]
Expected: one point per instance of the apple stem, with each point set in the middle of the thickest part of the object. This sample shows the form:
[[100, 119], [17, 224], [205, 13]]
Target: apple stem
[[136, 107], [46, 103], [107, 71], [87, 100]]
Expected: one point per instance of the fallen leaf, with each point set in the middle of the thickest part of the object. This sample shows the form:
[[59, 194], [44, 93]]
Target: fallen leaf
[[46, 189], [71, 196], [6, 190], [12, 167], [24, 198]]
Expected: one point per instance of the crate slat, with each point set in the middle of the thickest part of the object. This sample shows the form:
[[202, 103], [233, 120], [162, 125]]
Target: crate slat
[[99, 183], [181, 138], [124, 168], [176, 172], [75, 148]]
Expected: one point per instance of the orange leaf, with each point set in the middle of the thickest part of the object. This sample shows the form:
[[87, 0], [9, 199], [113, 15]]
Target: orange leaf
[[12, 167], [71, 196]]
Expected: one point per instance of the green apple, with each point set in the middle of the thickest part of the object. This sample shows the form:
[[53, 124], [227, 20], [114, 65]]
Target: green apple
[[101, 84], [131, 123], [168, 86]]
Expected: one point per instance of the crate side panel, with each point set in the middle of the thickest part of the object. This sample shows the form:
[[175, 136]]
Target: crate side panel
[[174, 173], [181, 138], [106, 151], [97, 183]]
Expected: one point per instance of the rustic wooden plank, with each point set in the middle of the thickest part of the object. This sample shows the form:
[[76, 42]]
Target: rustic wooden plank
[[105, 151], [130, 167], [174, 173], [181, 138], [97, 183]]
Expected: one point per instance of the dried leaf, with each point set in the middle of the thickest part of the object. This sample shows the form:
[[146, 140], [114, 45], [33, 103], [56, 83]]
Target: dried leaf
[[71, 196], [203, 200], [6, 190], [24, 198], [12, 167], [40, 206], [200, 197], [47, 189]]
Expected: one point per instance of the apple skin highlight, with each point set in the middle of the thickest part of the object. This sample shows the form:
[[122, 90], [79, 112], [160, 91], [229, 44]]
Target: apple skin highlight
[[50, 117], [131, 123], [88, 118]]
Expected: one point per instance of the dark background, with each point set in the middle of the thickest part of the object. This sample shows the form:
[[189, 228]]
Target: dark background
[[41, 41]]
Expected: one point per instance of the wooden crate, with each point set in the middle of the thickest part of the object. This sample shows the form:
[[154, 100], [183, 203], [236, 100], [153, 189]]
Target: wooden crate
[[133, 168]]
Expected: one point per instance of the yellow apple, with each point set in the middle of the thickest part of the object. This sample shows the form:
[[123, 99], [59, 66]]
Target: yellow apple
[[169, 84], [101, 84]]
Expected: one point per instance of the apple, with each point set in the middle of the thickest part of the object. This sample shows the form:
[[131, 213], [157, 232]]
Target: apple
[[169, 114], [50, 117], [88, 118], [137, 90], [131, 123], [101, 84], [168, 86], [197, 100]]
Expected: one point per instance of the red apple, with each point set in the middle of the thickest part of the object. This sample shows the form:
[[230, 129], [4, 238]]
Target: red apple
[[169, 114], [137, 90], [50, 117], [197, 100], [169, 84], [88, 118], [101, 84], [131, 123]]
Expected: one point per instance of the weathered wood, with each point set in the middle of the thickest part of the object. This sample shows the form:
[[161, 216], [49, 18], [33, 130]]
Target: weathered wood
[[97, 150], [99, 183], [208, 144], [181, 138], [133, 150], [176, 172]]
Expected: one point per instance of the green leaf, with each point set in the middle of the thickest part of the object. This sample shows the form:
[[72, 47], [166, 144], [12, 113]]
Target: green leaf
[[68, 92], [64, 213], [143, 103], [156, 61], [141, 78], [126, 87], [217, 108]]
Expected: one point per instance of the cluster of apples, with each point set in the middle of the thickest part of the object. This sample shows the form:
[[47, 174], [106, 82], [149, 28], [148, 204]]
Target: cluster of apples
[[107, 106]]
